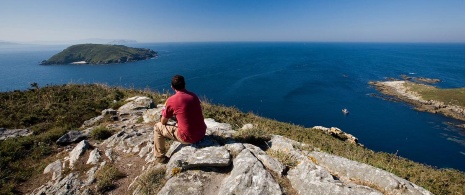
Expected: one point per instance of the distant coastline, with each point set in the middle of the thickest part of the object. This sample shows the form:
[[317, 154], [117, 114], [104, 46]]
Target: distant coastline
[[412, 93]]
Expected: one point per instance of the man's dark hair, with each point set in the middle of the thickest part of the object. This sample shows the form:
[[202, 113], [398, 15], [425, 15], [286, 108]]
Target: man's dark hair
[[178, 82]]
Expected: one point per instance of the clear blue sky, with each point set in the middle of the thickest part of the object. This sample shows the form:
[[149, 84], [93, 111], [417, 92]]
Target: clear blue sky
[[234, 20]]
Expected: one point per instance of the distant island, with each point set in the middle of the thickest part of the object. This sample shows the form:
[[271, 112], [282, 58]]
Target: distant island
[[99, 54]]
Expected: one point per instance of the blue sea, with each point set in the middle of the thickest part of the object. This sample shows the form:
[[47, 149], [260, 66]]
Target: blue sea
[[301, 83]]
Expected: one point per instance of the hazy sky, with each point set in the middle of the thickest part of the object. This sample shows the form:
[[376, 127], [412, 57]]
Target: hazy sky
[[234, 20]]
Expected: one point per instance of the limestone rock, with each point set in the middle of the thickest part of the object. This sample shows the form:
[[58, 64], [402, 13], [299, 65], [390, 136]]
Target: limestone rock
[[338, 133], [68, 185], [92, 121], [266, 160], [249, 177], [347, 170], [152, 115], [77, 152], [94, 157], [109, 111], [192, 182], [136, 103], [71, 137], [207, 148], [308, 178], [213, 156], [12, 133], [55, 168], [90, 175], [234, 148], [218, 129]]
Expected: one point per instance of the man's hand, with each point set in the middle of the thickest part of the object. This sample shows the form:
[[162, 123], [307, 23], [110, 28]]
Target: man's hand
[[164, 120]]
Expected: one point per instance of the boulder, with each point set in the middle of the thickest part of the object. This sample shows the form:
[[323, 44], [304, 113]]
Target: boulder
[[71, 137], [93, 121], [269, 162], [55, 168], [309, 178], [249, 177], [136, 103], [94, 157], [184, 156], [218, 129], [77, 152], [213, 156]]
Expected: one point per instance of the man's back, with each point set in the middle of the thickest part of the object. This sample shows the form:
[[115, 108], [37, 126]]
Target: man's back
[[186, 107]]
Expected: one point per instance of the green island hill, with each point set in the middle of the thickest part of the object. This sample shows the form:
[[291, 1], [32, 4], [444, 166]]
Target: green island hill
[[99, 54], [96, 139]]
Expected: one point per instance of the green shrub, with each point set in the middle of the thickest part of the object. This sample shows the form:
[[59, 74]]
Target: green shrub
[[100, 133]]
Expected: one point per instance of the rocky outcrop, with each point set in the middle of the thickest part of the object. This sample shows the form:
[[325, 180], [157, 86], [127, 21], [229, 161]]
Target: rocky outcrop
[[218, 164], [72, 137], [338, 133], [12, 133]]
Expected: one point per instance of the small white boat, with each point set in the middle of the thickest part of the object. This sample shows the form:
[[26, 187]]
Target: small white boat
[[345, 111]]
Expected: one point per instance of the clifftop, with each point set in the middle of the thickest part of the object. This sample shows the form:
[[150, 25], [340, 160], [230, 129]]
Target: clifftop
[[219, 164], [77, 141], [99, 54]]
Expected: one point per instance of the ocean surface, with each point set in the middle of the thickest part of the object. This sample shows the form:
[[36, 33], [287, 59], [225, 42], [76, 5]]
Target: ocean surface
[[301, 83]]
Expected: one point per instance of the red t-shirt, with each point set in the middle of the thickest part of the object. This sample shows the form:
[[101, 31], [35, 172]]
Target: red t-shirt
[[185, 105]]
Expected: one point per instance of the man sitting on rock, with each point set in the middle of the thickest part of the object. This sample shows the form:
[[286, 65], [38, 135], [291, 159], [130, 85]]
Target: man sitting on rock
[[185, 106]]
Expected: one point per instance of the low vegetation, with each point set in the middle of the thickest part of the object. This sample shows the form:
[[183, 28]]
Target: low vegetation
[[53, 110], [448, 96], [151, 181], [100, 133], [49, 112], [106, 177], [100, 54]]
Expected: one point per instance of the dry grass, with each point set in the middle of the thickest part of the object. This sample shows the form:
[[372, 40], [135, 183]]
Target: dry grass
[[286, 159], [152, 181], [106, 177]]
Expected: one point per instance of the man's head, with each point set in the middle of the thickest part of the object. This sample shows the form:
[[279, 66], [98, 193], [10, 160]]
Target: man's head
[[178, 82]]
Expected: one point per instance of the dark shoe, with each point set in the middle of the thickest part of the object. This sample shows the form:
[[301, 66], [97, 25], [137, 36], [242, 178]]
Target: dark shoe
[[162, 160]]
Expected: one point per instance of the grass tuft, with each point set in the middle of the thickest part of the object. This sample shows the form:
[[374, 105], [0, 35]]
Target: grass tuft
[[152, 181], [106, 177], [100, 133], [286, 159]]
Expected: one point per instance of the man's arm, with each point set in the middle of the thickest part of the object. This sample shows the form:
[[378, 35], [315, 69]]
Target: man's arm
[[164, 120]]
